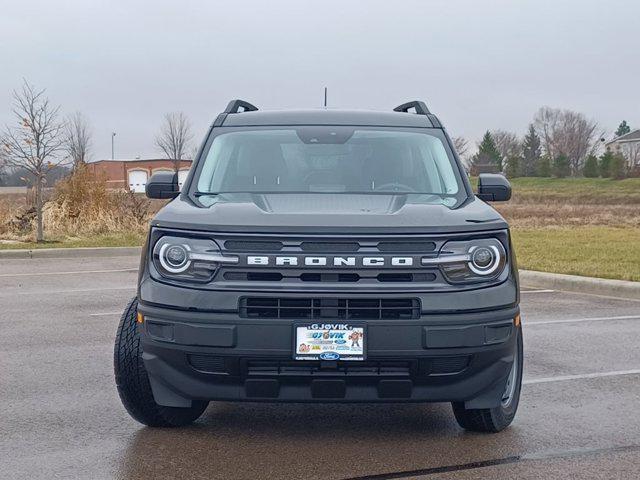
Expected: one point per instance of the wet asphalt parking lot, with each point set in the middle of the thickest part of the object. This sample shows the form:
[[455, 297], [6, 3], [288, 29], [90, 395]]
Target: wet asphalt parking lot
[[60, 416]]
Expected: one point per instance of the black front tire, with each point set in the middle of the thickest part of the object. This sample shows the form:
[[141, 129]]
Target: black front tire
[[495, 419], [132, 379]]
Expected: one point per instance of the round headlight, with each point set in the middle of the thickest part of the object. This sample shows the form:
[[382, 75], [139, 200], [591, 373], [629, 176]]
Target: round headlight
[[484, 260], [174, 258], [482, 257]]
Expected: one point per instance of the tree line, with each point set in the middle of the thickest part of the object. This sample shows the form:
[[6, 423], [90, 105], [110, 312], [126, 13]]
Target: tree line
[[558, 143], [41, 145]]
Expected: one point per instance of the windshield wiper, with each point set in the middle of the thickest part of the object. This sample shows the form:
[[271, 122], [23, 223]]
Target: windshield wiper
[[205, 194]]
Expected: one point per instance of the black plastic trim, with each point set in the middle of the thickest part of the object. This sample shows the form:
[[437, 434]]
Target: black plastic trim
[[419, 106], [236, 106]]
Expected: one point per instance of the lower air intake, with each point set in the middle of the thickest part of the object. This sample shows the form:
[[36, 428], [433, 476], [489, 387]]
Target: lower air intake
[[335, 308], [207, 363], [448, 365]]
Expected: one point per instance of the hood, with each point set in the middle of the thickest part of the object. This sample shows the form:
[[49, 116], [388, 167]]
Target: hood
[[328, 213]]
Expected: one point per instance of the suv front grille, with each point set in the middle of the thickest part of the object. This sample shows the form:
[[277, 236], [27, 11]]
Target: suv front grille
[[397, 245], [274, 276], [330, 308], [252, 246], [407, 247], [331, 277]]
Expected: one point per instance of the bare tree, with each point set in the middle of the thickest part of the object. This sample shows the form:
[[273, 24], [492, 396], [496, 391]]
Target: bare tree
[[175, 137], [3, 165], [77, 139], [507, 143], [461, 145], [564, 132], [194, 152], [34, 143]]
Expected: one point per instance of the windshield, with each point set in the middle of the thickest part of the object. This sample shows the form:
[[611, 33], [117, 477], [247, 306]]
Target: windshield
[[329, 159]]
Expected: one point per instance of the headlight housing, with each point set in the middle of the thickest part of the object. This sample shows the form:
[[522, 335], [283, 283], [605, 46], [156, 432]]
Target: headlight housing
[[471, 261], [188, 259]]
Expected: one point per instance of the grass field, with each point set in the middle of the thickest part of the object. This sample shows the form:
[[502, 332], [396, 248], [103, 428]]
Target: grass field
[[580, 226], [115, 240], [593, 251]]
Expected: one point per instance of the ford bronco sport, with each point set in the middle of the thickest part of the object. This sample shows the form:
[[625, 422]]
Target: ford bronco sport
[[324, 256]]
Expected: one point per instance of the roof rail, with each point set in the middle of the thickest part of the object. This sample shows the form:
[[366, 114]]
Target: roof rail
[[234, 106], [417, 105]]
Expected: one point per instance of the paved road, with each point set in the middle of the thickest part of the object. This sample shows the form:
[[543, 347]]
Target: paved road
[[60, 416]]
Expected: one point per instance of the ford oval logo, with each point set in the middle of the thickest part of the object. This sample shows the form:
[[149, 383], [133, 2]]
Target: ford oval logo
[[329, 356]]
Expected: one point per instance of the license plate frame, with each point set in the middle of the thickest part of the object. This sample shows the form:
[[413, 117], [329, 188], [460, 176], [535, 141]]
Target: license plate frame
[[335, 350]]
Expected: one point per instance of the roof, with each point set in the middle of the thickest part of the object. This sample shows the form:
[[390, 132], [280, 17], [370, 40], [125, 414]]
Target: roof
[[633, 136], [324, 117], [141, 160]]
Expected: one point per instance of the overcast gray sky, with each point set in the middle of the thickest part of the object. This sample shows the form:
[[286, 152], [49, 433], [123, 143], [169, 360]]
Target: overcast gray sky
[[478, 64]]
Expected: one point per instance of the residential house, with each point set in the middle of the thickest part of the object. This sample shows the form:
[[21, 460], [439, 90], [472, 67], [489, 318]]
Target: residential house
[[629, 146]]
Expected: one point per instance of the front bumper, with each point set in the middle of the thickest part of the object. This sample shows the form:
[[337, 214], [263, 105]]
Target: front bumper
[[462, 357]]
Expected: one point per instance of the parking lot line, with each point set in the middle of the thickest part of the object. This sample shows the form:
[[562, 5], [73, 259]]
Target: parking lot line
[[586, 319], [79, 290], [565, 378], [537, 291], [596, 295], [38, 274]]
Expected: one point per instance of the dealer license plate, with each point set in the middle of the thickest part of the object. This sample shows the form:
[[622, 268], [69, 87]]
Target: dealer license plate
[[329, 341]]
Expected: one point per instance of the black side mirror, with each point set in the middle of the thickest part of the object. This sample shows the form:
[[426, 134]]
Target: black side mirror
[[162, 185], [493, 187]]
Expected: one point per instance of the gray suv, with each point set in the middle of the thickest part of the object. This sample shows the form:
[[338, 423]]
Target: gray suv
[[324, 256]]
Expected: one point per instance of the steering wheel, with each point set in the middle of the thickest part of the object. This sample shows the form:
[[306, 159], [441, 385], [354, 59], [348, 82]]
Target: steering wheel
[[394, 186]]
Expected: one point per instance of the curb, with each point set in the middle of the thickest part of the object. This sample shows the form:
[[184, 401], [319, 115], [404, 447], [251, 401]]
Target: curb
[[575, 283], [86, 252]]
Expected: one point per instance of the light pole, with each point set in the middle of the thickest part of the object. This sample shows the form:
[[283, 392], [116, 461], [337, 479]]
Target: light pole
[[113, 134]]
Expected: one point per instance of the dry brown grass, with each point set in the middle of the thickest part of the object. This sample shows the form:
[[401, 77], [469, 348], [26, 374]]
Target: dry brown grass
[[575, 202], [12, 213], [80, 206], [543, 215], [83, 205]]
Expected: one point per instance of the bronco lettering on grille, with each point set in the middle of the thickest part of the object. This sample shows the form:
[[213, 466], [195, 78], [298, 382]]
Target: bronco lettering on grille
[[332, 261]]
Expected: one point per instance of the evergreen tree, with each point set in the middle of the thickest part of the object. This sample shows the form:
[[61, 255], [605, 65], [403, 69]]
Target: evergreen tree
[[513, 168], [605, 164], [544, 166], [591, 169], [488, 153], [561, 166], [618, 167], [530, 153], [623, 129]]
